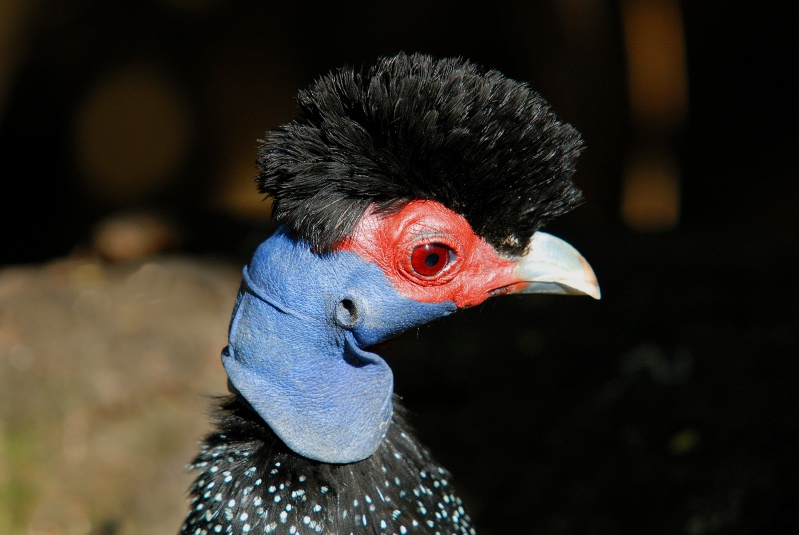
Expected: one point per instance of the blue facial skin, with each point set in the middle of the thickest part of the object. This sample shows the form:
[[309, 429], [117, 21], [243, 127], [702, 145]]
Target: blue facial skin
[[296, 347]]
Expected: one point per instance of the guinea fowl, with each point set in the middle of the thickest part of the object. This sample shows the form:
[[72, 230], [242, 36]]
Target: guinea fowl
[[405, 192]]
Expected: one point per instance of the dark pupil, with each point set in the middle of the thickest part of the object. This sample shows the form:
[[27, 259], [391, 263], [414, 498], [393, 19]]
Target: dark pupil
[[432, 259]]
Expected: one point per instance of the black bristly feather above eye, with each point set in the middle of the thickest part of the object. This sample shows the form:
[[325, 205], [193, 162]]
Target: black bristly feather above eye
[[415, 127]]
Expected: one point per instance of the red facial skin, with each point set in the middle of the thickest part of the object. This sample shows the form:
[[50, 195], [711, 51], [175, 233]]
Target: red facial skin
[[475, 273]]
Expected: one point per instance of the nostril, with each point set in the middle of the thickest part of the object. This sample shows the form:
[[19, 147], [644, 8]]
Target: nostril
[[347, 314]]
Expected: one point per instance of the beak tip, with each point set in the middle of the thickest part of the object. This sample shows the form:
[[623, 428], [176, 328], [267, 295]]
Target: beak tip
[[591, 282], [595, 292], [589, 287]]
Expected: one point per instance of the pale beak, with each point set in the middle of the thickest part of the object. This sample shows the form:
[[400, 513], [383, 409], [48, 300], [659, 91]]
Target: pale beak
[[552, 266]]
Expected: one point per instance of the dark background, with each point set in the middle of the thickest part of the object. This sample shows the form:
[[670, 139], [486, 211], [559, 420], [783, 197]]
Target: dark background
[[668, 407]]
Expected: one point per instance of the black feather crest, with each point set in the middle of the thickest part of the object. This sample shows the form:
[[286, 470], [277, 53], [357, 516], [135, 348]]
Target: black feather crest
[[415, 127]]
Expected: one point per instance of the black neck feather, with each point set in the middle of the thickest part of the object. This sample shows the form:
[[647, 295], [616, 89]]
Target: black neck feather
[[250, 482]]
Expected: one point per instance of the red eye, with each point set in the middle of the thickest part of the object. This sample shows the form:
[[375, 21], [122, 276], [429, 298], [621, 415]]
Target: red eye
[[431, 259]]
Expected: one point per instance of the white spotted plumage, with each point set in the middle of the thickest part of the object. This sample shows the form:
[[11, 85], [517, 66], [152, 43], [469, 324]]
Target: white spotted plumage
[[398, 491]]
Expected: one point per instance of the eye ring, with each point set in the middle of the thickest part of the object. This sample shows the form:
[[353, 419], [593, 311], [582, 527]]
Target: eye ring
[[429, 260]]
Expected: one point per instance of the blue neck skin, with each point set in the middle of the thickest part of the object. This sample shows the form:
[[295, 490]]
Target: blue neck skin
[[296, 347]]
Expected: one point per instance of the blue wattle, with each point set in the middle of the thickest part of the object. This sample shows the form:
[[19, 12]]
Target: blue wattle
[[296, 347]]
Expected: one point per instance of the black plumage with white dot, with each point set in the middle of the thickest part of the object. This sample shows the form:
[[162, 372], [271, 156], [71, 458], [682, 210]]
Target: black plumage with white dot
[[250, 482]]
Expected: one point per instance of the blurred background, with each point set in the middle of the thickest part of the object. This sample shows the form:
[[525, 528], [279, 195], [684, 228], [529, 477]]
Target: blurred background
[[128, 132]]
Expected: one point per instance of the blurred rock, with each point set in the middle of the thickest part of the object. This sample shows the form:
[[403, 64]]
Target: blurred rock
[[105, 373], [129, 237]]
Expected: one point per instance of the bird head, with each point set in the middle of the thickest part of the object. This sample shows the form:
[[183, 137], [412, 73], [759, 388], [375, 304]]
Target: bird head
[[405, 192]]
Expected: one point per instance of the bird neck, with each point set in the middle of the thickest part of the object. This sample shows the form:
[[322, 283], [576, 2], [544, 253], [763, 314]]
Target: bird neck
[[299, 343], [301, 371]]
